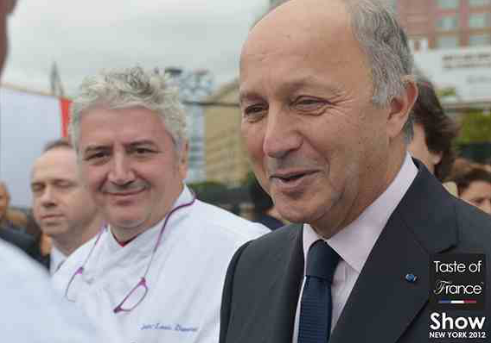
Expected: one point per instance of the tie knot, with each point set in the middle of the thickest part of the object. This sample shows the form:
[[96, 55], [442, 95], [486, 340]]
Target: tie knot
[[322, 261]]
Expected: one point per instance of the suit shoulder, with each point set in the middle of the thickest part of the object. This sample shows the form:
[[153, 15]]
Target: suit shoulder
[[275, 242]]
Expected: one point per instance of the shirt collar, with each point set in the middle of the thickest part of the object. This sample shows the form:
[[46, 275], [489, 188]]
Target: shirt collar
[[56, 259], [355, 242]]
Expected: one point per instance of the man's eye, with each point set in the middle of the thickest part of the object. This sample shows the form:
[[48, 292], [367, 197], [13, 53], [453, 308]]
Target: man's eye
[[36, 189], [254, 111], [142, 151], [479, 201], [96, 156], [64, 184], [309, 104]]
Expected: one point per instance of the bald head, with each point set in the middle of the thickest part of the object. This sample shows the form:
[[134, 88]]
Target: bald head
[[373, 25], [324, 138], [307, 28], [310, 19], [62, 206]]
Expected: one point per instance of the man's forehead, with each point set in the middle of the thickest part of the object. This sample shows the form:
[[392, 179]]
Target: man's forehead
[[106, 126], [297, 24], [56, 161], [102, 143]]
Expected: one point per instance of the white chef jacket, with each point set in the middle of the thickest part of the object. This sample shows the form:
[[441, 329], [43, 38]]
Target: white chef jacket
[[185, 279], [31, 311]]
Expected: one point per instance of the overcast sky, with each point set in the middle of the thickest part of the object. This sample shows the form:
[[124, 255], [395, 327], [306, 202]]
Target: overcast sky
[[85, 36]]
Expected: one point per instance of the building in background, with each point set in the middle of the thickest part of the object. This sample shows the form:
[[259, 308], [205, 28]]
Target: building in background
[[451, 42], [225, 153], [194, 86], [445, 24]]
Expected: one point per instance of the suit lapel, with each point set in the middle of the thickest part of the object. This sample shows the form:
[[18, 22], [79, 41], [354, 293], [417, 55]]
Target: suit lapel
[[289, 280], [383, 303]]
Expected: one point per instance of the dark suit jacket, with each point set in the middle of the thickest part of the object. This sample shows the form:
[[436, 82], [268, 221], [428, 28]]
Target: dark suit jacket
[[264, 277], [26, 242], [18, 238]]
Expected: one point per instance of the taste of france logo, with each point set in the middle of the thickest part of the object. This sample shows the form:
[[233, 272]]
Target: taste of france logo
[[458, 287], [458, 282]]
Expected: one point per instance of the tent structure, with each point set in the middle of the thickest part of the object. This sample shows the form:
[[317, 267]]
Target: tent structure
[[28, 120]]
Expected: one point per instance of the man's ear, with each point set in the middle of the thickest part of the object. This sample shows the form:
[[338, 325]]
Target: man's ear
[[400, 107], [183, 159], [436, 157]]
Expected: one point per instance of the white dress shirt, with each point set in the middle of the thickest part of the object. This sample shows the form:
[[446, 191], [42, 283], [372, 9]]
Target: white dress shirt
[[56, 259], [185, 279], [355, 242]]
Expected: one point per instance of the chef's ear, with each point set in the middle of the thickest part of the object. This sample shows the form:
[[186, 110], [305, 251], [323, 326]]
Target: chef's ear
[[182, 155]]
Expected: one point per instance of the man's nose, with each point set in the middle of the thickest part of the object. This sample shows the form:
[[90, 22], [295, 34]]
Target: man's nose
[[281, 136], [48, 198], [121, 171]]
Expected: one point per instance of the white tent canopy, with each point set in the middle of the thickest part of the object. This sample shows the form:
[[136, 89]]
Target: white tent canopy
[[27, 122]]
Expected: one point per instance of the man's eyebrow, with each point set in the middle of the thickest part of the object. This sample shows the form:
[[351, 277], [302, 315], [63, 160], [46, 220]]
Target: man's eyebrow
[[36, 183], [292, 86], [94, 147], [247, 95], [142, 142]]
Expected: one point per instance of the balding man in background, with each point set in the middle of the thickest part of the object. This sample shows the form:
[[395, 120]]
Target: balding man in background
[[62, 206]]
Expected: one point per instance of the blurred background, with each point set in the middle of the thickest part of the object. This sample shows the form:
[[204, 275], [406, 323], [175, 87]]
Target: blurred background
[[56, 43]]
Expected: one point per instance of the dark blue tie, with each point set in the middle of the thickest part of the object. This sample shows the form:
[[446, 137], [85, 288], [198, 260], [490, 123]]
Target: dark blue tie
[[316, 304]]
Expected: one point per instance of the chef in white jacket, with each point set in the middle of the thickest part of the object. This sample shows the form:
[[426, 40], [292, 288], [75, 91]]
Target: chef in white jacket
[[155, 272]]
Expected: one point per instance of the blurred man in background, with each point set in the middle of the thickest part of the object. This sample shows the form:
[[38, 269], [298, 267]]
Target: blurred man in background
[[474, 186], [62, 206], [13, 224], [264, 211], [433, 132], [6, 8]]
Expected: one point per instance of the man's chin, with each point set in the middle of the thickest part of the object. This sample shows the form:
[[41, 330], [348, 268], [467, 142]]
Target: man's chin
[[293, 215], [126, 224]]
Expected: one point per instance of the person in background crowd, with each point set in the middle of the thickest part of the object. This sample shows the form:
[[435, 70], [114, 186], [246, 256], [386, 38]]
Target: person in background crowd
[[487, 164], [433, 132], [62, 206], [461, 166], [264, 211], [155, 273], [474, 186], [325, 94], [13, 223], [31, 312], [6, 8]]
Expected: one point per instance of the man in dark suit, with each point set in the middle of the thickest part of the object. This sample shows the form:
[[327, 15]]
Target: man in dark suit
[[18, 238], [325, 94], [9, 231]]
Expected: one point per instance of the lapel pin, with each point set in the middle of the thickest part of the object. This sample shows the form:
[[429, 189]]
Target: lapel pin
[[411, 278]]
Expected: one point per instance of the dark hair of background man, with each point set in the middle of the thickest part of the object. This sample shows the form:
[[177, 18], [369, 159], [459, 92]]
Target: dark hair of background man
[[440, 130]]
